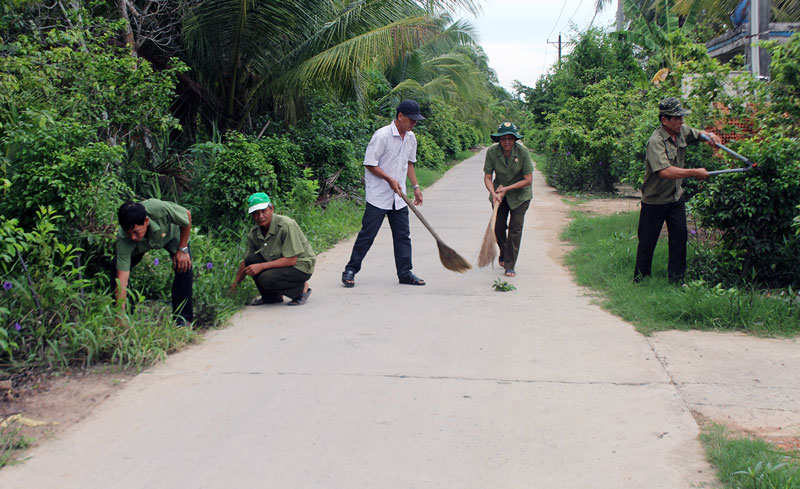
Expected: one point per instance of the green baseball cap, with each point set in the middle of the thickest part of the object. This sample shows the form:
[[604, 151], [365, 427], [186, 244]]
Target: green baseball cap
[[506, 128], [258, 201], [671, 106]]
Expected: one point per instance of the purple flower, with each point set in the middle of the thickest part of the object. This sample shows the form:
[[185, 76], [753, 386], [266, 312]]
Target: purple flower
[[693, 231], [17, 326], [600, 163], [568, 153], [209, 265], [7, 285], [155, 262]]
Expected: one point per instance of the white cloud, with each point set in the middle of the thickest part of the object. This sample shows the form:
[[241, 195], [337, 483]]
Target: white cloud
[[514, 34]]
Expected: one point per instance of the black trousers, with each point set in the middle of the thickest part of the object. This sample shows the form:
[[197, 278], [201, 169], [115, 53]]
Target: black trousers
[[401, 238], [181, 287], [276, 282], [651, 219], [509, 243]]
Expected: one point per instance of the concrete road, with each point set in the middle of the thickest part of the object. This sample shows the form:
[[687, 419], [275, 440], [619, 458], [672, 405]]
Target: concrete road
[[385, 386]]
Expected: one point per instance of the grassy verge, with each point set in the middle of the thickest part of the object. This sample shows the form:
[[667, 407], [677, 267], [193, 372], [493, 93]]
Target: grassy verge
[[745, 463], [604, 257]]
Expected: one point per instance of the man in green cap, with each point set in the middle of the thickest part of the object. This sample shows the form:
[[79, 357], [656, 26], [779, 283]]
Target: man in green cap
[[150, 225], [662, 194], [278, 258], [511, 164]]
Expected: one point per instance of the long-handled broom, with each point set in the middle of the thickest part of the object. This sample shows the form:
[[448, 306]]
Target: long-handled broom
[[450, 259], [489, 246]]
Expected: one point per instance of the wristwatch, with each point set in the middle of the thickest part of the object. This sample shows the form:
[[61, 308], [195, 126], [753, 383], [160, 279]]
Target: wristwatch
[[415, 187], [185, 249]]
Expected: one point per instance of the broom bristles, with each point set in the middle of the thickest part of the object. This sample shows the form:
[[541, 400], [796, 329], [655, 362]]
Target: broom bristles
[[488, 247], [452, 260]]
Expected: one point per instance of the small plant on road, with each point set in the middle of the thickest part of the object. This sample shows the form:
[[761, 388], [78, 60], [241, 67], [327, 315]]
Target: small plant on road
[[501, 285]]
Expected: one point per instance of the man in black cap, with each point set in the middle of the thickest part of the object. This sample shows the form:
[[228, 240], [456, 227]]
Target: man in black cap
[[389, 159], [662, 194]]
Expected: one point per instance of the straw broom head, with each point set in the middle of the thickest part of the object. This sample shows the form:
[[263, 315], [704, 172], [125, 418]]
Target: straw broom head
[[452, 260], [489, 245]]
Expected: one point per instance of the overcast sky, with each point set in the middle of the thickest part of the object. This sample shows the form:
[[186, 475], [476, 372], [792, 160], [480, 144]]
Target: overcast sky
[[514, 33]]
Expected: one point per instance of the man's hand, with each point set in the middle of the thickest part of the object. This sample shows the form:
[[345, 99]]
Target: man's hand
[[181, 261], [254, 269], [232, 289], [417, 196], [500, 193], [394, 185], [701, 173], [713, 140]]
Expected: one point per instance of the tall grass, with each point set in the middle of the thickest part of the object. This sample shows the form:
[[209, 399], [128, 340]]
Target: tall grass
[[604, 258], [746, 463]]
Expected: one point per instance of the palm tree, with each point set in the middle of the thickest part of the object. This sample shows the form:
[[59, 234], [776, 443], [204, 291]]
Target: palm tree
[[263, 54]]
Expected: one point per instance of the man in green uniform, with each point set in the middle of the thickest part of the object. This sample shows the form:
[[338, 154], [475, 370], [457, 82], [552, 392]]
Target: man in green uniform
[[511, 164], [151, 225], [662, 194], [279, 258]]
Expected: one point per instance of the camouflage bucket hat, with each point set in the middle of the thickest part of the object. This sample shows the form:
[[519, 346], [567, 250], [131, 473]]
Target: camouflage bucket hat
[[506, 128], [672, 107]]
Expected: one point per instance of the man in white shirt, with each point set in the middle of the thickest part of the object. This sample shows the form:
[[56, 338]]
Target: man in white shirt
[[389, 159]]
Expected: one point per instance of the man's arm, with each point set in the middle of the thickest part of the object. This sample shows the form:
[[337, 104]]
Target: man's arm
[[526, 181], [122, 287], [378, 172], [412, 177], [675, 173], [282, 262], [182, 261]]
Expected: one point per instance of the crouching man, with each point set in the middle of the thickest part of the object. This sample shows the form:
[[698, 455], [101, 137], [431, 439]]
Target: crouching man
[[151, 225], [279, 258]]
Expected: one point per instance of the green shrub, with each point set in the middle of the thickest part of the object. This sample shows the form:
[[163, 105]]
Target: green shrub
[[754, 213], [429, 154], [237, 169]]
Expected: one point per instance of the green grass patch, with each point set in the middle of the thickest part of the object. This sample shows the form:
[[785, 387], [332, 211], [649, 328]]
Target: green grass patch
[[604, 258], [11, 441], [746, 463]]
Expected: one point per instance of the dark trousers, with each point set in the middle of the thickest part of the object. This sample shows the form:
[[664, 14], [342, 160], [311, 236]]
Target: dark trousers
[[509, 242], [276, 282], [401, 238], [651, 219], [181, 287]]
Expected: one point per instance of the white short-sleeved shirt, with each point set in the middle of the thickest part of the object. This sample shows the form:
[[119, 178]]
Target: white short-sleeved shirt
[[391, 153]]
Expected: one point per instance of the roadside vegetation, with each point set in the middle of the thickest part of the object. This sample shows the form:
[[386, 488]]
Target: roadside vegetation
[[102, 103], [748, 463], [603, 258]]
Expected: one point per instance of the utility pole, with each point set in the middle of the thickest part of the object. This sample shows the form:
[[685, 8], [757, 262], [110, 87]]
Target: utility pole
[[559, 47], [620, 16], [759, 30]]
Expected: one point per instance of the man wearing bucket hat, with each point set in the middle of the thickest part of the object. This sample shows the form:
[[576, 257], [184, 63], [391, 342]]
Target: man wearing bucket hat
[[512, 167], [149, 225], [278, 258], [662, 192], [388, 161]]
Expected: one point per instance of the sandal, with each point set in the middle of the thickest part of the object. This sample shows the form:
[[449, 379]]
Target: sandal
[[510, 272], [349, 278], [411, 279], [260, 301], [300, 300]]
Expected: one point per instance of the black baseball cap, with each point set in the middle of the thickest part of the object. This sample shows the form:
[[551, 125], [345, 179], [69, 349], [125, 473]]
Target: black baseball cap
[[410, 109]]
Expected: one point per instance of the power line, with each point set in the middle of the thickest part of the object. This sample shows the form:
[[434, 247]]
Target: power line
[[559, 18]]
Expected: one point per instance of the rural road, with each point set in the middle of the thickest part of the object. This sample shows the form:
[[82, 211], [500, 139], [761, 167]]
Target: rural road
[[387, 386]]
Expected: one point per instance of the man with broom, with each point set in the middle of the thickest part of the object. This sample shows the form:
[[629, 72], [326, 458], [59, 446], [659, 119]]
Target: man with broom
[[389, 159], [510, 191]]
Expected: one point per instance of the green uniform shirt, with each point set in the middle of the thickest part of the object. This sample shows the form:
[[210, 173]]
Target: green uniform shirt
[[284, 239], [508, 171], [164, 231], [663, 152]]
